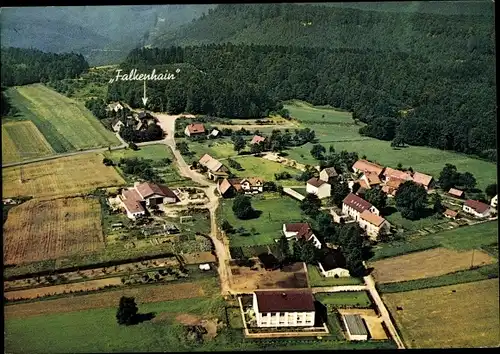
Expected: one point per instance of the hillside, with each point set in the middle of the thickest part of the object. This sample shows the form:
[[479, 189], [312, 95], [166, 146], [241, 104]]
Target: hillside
[[103, 34], [335, 27]]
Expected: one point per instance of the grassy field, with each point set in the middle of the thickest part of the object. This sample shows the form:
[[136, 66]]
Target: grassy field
[[60, 177], [156, 153], [66, 124], [88, 329], [465, 276], [338, 128], [316, 279], [346, 298], [259, 167], [38, 230], [23, 137], [220, 148], [429, 263], [462, 238], [275, 211], [456, 316]]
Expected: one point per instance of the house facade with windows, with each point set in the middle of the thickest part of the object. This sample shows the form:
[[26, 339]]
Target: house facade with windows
[[319, 187], [301, 230], [284, 308], [476, 208], [374, 225], [229, 186], [354, 205]]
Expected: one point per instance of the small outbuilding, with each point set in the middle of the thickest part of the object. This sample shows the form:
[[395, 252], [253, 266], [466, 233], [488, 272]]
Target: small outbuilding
[[457, 193], [355, 326]]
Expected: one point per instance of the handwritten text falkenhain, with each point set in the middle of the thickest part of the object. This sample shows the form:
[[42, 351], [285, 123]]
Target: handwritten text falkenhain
[[134, 76]]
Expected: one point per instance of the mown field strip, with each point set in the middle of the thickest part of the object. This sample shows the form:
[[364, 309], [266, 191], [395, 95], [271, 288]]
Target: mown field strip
[[24, 141], [68, 123]]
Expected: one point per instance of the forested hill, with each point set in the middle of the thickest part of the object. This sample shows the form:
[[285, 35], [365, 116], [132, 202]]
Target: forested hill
[[21, 66], [445, 105], [332, 27], [103, 34]]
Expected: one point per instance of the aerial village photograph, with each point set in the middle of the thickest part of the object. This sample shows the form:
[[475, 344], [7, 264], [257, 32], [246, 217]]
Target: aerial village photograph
[[249, 177]]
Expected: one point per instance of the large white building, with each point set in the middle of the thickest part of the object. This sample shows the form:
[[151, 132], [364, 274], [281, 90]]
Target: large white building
[[319, 187], [374, 225], [477, 208], [354, 206], [284, 308]]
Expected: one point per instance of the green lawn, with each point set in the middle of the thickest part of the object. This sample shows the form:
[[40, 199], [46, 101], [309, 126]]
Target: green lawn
[[217, 148], [316, 279], [339, 130], [155, 152], [345, 298], [260, 167], [465, 237], [94, 331], [66, 124], [466, 276], [275, 211]]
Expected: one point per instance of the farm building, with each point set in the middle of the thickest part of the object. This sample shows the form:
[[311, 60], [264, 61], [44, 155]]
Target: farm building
[[328, 174], [142, 195], [365, 182], [355, 326], [116, 106], [229, 186], [362, 166], [391, 186], [284, 308], [451, 214], [318, 187], [477, 208], [257, 139], [214, 133], [354, 206], [333, 264], [301, 230], [373, 224], [494, 201], [215, 169], [117, 125], [390, 173], [457, 193], [194, 129], [424, 180]]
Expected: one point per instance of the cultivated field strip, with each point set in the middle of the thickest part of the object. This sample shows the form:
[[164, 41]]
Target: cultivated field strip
[[73, 126], [39, 230], [23, 137], [60, 177]]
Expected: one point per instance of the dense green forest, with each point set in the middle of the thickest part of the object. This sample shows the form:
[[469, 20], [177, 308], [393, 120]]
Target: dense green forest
[[443, 105], [27, 66]]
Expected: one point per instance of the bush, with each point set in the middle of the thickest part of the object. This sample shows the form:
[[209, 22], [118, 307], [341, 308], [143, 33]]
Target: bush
[[108, 162], [133, 146], [282, 175]]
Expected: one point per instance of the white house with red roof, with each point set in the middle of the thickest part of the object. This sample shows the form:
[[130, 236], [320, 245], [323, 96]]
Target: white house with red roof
[[301, 230], [194, 129], [142, 195], [477, 208], [319, 187], [354, 205], [374, 225]]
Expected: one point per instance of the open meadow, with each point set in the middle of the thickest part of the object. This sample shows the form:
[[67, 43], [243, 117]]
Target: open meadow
[[66, 124], [60, 177], [462, 238], [21, 141], [430, 263], [338, 129], [268, 225], [39, 230], [455, 316]]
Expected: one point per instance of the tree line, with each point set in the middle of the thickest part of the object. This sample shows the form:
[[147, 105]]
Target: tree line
[[416, 99], [27, 66]]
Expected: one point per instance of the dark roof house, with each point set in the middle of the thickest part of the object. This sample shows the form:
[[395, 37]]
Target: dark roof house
[[296, 300]]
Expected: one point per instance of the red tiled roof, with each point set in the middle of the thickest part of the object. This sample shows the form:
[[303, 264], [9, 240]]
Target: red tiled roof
[[456, 192], [316, 182], [478, 206], [195, 128], [451, 213], [357, 203], [392, 173], [303, 230], [372, 178], [372, 218], [147, 189], [224, 186], [365, 165], [422, 179], [285, 301], [257, 139], [131, 199]]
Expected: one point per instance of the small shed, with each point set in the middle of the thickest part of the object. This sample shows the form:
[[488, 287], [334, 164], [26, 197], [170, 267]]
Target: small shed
[[205, 266], [457, 193], [355, 326]]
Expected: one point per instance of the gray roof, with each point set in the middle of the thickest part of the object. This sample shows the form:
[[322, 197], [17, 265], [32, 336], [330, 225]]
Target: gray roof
[[355, 325]]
